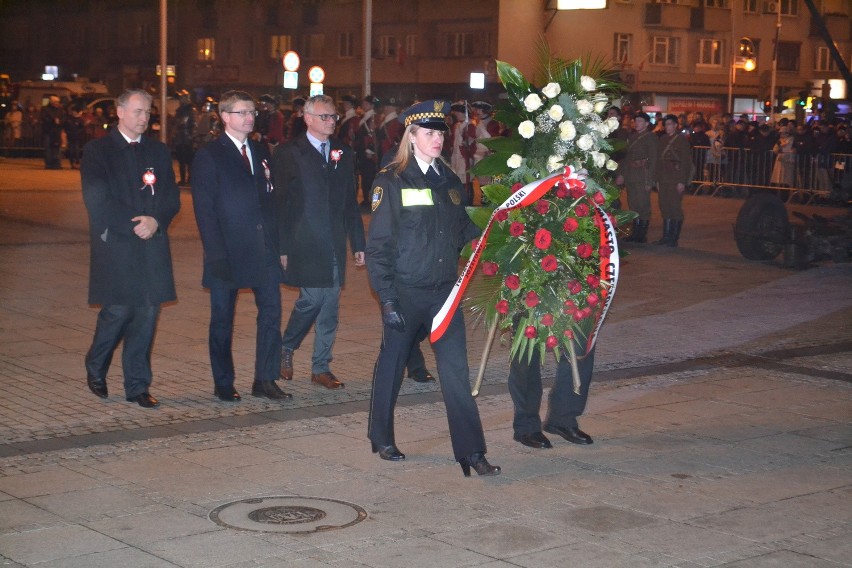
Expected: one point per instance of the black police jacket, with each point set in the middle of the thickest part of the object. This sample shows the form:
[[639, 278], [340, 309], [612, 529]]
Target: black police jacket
[[416, 231]]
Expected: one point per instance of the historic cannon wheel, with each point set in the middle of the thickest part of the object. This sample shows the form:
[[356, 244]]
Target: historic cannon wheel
[[762, 228]]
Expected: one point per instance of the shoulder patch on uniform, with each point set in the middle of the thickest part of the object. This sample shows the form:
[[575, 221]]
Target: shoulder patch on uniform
[[455, 196], [376, 199]]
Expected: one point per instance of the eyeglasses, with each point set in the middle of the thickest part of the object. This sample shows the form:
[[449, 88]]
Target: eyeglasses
[[242, 113], [326, 117]]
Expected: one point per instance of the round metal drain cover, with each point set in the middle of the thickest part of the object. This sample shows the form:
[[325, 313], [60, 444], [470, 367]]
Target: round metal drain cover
[[293, 515]]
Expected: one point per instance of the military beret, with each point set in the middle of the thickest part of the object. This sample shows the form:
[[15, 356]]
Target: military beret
[[430, 114]]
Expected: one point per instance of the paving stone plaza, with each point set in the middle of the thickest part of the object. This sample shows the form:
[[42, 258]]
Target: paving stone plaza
[[721, 412]]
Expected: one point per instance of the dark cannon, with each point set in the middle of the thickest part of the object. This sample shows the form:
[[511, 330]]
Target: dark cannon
[[764, 230]]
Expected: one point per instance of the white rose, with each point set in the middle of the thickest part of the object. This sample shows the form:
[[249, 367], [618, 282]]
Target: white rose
[[611, 165], [567, 130], [612, 123], [588, 83], [585, 142], [526, 129], [514, 161], [599, 106], [584, 107], [554, 163], [556, 113], [599, 159], [601, 127], [532, 102], [551, 90]]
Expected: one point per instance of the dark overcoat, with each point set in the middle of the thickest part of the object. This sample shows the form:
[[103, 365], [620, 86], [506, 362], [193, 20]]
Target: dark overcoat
[[317, 211], [125, 269], [235, 212]]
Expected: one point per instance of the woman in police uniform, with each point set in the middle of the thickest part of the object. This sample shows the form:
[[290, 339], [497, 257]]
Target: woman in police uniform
[[419, 225]]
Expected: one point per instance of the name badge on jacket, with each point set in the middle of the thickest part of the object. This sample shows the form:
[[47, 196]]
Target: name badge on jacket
[[414, 196]]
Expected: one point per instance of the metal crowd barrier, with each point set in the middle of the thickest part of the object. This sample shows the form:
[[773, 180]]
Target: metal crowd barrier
[[735, 172]]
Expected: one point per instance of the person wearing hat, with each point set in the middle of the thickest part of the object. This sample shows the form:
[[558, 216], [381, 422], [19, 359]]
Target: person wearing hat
[[418, 227], [636, 173], [389, 131], [348, 125], [784, 170], [366, 158], [296, 124], [674, 174]]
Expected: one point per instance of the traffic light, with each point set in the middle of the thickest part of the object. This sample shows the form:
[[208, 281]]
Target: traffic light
[[767, 106], [803, 99]]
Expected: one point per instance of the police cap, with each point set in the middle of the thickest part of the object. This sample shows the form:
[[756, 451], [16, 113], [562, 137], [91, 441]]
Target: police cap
[[430, 114]]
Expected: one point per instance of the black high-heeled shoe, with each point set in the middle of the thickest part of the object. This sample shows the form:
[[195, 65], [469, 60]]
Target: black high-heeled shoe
[[390, 453], [479, 464]]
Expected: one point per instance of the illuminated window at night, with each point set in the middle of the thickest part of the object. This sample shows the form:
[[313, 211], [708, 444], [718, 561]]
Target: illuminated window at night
[[279, 45], [710, 52], [206, 49]]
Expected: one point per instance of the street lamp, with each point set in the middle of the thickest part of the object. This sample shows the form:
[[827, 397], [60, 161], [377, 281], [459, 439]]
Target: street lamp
[[743, 58]]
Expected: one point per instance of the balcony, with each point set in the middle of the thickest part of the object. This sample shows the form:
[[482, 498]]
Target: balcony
[[668, 16]]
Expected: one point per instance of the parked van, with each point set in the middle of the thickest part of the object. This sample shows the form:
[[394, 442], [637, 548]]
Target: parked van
[[38, 93]]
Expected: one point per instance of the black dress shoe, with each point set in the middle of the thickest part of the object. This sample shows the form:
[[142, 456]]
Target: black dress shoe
[[533, 440], [97, 386], [572, 434], [144, 400], [479, 464], [420, 376], [227, 393], [390, 453], [268, 389]]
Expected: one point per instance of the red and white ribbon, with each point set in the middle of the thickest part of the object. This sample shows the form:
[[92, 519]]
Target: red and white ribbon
[[148, 180], [524, 197]]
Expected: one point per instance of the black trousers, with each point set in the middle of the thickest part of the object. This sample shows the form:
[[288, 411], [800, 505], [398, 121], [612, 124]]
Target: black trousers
[[418, 307], [135, 325], [564, 404], [223, 300]]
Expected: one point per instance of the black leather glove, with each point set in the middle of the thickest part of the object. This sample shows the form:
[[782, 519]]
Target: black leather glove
[[392, 316]]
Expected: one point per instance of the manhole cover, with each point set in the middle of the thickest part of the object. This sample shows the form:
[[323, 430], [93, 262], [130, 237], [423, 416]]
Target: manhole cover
[[293, 515]]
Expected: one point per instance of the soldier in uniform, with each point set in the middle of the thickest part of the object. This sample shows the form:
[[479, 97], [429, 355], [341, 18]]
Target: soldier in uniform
[[348, 125], [366, 159], [674, 174], [636, 171], [419, 225]]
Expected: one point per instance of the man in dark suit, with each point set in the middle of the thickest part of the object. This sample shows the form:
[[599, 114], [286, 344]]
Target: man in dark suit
[[318, 211], [234, 201], [131, 197]]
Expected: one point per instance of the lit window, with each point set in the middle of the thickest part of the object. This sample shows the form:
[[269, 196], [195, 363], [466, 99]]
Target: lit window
[[710, 52], [621, 48], [279, 45], [664, 50], [206, 49]]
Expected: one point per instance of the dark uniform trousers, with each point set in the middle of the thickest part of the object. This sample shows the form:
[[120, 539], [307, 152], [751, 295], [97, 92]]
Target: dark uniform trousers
[[267, 298], [419, 306], [136, 325], [564, 404]]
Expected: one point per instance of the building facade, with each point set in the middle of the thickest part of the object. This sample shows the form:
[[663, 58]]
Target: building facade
[[673, 55]]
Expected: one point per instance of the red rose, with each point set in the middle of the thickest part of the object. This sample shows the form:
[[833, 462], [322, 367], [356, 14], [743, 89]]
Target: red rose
[[575, 287], [599, 198], [489, 268], [577, 191], [516, 229], [592, 299], [549, 263], [551, 342], [569, 334], [604, 293], [502, 307], [562, 193], [516, 187], [547, 319], [513, 282], [587, 312], [578, 315], [542, 206], [570, 225], [502, 215], [584, 250], [593, 280], [530, 332], [542, 239], [581, 210], [570, 306], [531, 299], [605, 250]]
